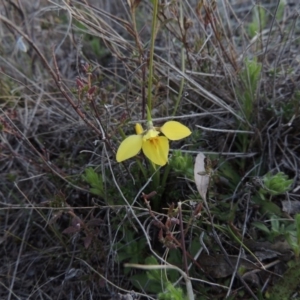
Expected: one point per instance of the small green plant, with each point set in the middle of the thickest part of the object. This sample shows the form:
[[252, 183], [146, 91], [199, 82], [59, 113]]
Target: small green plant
[[250, 77], [291, 108], [228, 171], [91, 41], [153, 281], [274, 185], [95, 181], [278, 227], [172, 293], [130, 250], [297, 223], [270, 186], [294, 239], [182, 164], [259, 21], [280, 10], [247, 95], [156, 281]]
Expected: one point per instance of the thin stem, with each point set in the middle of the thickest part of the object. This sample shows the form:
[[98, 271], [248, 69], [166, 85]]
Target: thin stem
[[142, 168], [182, 60], [155, 183], [151, 54], [165, 176], [182, 239], [156, 176], [122, 133]]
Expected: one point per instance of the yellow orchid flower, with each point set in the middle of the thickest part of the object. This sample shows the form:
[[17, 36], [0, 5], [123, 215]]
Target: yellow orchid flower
[[154, 146]]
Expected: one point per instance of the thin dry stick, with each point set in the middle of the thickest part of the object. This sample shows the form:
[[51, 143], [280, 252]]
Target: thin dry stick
[[182, 239]]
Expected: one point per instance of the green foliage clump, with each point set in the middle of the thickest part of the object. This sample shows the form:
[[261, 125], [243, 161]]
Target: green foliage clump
[[172, 293], [294, 238], [158, 281], [182, 164], [250, 77], [95, 181], [270, 186], [277, 228], [275, 184]]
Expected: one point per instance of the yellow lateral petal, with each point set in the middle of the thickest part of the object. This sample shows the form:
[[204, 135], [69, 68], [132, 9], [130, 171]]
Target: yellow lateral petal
[[157, 150], [129, 147], [174, 130]]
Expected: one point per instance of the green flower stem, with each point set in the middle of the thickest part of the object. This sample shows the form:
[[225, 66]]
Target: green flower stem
[[142, 168], [150, 76], [149, 118], [156, 176], [123, 135], [155, 185], [297, 221], [165, 176], [182, 61]]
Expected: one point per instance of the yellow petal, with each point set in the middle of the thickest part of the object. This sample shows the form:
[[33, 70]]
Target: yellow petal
[[129, 147], [138, 128], [157, 150], [175, 131]]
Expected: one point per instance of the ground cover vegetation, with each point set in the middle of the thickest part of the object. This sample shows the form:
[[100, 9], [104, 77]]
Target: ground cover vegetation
[[149, 149]]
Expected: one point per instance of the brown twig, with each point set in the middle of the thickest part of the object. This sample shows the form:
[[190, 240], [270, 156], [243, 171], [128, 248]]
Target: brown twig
[[182, 239]]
